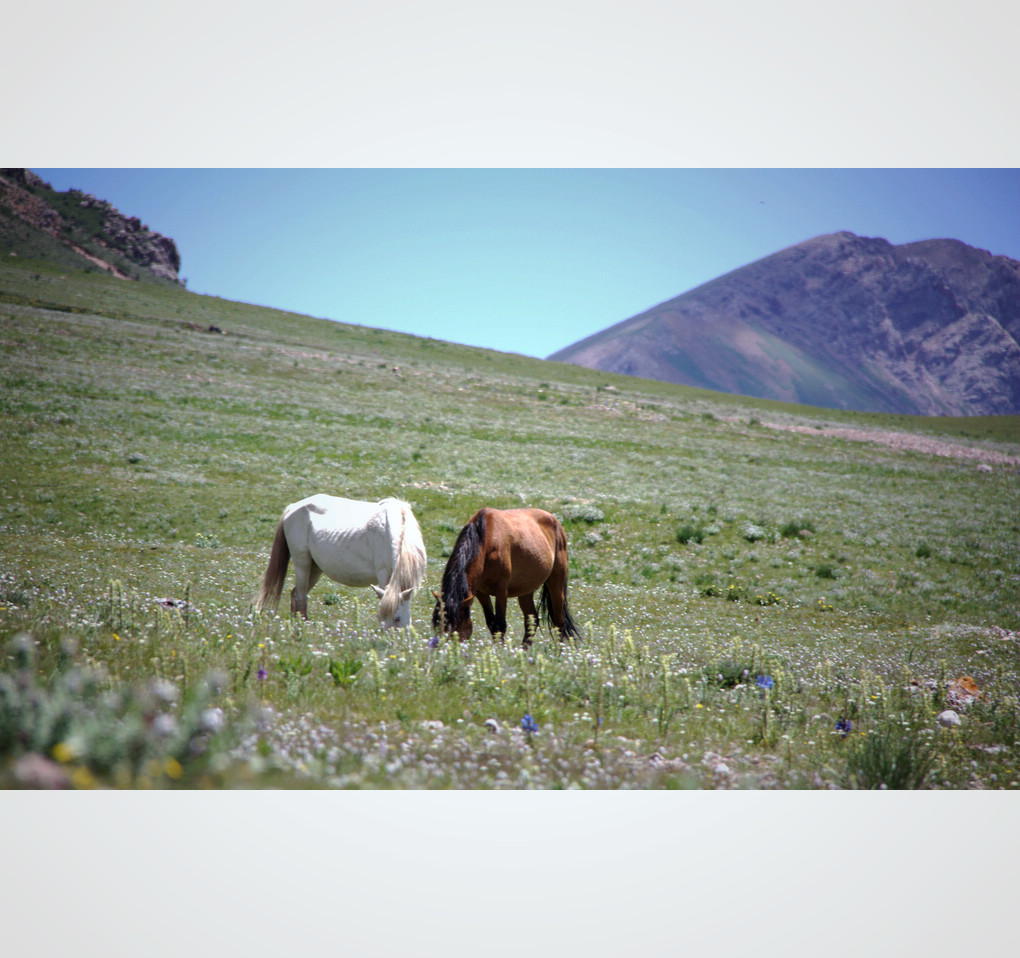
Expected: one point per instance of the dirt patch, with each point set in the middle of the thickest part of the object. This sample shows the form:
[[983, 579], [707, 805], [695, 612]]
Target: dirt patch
[[907, 442]]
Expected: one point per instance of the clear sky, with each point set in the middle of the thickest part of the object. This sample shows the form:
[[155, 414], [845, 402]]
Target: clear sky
[[523, 260]]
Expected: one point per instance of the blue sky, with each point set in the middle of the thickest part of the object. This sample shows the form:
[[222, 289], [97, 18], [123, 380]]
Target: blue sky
[[523, 260]]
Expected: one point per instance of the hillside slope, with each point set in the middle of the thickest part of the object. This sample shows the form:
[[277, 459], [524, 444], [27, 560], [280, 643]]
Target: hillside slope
[[76, 230], [150, 438], [839, 321]]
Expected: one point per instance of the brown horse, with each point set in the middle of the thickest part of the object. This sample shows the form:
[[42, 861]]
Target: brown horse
[[506, 554]]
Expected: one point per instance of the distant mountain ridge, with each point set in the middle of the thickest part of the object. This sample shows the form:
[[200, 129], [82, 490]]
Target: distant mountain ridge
[[839, 321], [76, 229]]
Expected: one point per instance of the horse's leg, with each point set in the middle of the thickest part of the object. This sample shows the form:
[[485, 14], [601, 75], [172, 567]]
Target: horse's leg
[[490, 617], [306, 573], [527, 604], [498, 626]]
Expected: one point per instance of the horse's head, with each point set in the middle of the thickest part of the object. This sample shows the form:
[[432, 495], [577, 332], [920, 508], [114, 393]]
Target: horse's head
[[442, 622], [400, 617]]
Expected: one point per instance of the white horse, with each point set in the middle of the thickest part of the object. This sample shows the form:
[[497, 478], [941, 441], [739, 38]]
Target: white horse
[[377, 544]]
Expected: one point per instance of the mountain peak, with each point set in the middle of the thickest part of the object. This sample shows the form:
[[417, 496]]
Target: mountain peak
[[840, 321]]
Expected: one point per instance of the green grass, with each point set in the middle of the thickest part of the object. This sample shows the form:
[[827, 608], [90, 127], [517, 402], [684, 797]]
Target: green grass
[[146, 459]]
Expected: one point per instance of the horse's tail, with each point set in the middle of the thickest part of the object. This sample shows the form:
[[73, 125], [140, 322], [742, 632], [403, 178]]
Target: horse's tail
[[544, 612], [568, 629], [276, 571], [409, 565]]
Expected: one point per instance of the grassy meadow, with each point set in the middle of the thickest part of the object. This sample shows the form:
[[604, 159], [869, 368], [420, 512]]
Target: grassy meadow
[[760, 608]]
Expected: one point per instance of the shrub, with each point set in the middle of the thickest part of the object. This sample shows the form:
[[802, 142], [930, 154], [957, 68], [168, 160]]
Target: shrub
[[889, 756], [796, 528], [82, 731], [688, 533], [726, 673], [578, 512], [752, 532]]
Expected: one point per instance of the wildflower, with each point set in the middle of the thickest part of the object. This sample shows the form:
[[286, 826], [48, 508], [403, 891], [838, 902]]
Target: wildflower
[[164, 725], [82, 778], [844, 726], [163, 691], [528, 723], [434, 642], [173, 768], [262, 674], [211, 720], [764, 681], [63, 752]]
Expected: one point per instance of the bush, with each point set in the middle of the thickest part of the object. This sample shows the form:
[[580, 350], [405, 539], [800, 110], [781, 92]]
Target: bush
[[688, 533], [726, 673], [889, 756], [752, 532], [79, 730], [582, 513], [796, 528]]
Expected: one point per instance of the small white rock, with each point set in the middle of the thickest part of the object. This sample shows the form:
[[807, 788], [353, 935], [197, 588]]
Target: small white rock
[[949, 718]]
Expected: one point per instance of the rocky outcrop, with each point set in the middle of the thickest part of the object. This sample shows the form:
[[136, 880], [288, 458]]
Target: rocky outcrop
[[30, 198], [137, 242], [841, 321], [16, 195]]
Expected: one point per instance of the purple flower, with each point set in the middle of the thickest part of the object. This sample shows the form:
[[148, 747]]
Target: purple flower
[[528, 723], [262, 674], [764, 681], [434, 642], [844, 726]]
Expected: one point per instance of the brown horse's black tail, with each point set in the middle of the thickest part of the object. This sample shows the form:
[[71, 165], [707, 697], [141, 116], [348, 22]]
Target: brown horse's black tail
[[569, 630]]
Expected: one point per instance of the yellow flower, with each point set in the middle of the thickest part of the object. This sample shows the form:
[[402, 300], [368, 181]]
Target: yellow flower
[[117, 637], [173, 768], [63, 752], [82, 778]]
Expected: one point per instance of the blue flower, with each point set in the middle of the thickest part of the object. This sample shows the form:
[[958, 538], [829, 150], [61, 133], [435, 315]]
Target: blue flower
[[434, 642], [764, 681], [844, 726], [528, 723]]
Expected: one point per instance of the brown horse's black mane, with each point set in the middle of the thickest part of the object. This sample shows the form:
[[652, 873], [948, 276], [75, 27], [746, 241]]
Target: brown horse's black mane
[[454, 589]]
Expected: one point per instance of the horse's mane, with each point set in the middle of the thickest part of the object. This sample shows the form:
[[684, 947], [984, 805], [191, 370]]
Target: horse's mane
[[409, 569], [455, 584]]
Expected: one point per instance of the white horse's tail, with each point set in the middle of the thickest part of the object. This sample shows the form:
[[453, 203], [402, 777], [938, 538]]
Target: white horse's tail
[[276, 571], [411, 559]]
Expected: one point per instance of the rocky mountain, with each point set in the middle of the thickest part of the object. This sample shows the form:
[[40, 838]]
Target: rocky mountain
[[839, 321], [74, 228]]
